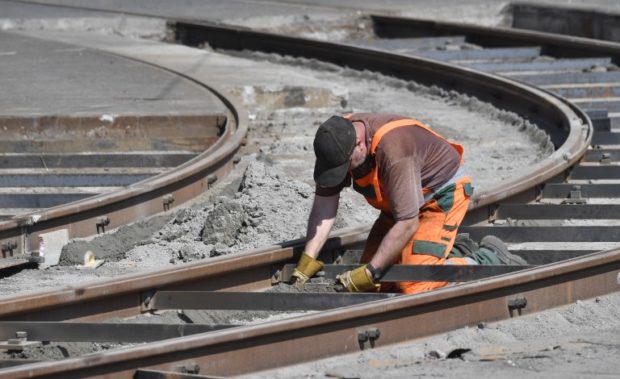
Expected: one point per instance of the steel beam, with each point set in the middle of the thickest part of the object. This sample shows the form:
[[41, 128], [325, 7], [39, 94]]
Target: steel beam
[[269, 301], [545, 233], [557, 211], [606, 138], [601, 122], [553, 44], [554, 65], [428, 273], [612, 104], [398, 44], [562, 190], [48, 161], [601, 155], [39, 200], [567, 77], [71, 180], [101, 332], [484, 54], [431, 273], [584, 91], [596, 172]]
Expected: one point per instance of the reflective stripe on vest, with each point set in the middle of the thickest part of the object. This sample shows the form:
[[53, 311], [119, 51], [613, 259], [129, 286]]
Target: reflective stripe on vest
[[369, 185]]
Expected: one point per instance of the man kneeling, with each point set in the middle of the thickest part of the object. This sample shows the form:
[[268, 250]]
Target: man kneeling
[[415, 177]]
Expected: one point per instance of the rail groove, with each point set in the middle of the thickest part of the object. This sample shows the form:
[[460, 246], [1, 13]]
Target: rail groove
[[527, 209]]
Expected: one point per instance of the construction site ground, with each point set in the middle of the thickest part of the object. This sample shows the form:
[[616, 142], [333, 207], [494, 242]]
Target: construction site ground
[[62, 61]]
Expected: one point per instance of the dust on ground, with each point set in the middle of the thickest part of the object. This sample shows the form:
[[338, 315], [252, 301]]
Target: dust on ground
[[575, 341]]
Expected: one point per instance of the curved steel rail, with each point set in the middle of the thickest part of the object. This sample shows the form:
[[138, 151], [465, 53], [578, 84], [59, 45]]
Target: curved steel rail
[[249, 348], [569, 128], [19, 235]]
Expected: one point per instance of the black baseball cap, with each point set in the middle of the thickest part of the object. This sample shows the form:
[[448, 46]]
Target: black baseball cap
[[333, 145]]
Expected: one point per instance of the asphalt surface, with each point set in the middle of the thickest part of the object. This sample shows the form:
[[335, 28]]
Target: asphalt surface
[[45, 77]]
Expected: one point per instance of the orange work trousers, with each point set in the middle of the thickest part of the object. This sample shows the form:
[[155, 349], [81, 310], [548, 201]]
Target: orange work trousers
[[431, 243]]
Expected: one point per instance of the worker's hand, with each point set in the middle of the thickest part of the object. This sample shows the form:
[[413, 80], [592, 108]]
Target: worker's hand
[[358, 280], [306, 268]]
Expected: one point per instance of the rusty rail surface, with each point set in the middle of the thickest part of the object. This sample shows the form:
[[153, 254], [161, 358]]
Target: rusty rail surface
[[249, 348]]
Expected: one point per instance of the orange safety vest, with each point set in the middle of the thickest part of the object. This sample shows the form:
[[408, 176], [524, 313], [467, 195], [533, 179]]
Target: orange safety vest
[[369, 185]]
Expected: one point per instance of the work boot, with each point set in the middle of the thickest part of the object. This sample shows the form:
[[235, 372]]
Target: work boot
[[463, 246], [498, 247]]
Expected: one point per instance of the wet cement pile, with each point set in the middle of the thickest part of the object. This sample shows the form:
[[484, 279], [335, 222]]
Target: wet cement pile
[[269, 200]]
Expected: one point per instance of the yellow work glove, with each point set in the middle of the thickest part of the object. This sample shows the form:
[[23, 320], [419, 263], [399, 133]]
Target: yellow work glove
[[306, 268], [357, 280]]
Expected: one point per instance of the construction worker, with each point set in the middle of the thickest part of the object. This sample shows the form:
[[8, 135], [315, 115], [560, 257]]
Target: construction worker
[[415, 177]]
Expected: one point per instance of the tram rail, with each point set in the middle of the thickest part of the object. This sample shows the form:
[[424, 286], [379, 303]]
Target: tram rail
[[120, 193], [558, 277]]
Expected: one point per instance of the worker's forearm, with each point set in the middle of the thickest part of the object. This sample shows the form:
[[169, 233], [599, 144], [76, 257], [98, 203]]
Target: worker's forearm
[[320, 223], [393, 243]]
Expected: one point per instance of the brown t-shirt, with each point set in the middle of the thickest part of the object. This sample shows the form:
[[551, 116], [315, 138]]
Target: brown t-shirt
[[409, 159]]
